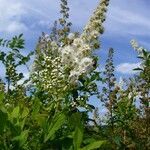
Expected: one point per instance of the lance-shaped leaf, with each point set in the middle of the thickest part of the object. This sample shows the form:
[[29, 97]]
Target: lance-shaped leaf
[[94, 145], [55, 125], [22, 138], [3, 120]]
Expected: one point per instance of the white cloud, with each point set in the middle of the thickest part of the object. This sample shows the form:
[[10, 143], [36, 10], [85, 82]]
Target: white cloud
[[127, 68], [124, 19], [11, 12], [16, 26]]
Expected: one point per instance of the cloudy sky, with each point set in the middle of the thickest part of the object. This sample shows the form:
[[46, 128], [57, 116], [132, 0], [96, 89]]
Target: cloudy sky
[[126, 20]]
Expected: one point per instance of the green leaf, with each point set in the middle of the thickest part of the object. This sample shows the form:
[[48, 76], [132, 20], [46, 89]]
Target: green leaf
[[20, 36], [1, 96], [91, 106], [22, 138], [36, 106], [89, 140], [78, 137], [41, 119], [93, 145], [3, 120], [55, 125], [138, 69], [78, 133], [15, 112], [117, 140], [25, 112]]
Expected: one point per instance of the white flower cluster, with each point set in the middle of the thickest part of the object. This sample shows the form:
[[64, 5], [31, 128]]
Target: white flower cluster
[[47, 46], [69, 62], [11, 70], [51, 77], [136, 47], [94, 27], [77, 57]]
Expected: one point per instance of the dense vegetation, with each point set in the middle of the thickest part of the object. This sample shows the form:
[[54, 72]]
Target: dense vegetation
[[50, 110]]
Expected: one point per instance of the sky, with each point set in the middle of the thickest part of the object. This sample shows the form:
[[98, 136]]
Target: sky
[[126, 20]]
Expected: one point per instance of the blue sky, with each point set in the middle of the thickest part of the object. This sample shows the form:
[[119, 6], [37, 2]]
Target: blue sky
[[126, 20]]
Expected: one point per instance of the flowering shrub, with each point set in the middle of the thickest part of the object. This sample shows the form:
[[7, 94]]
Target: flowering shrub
[[50, 109]]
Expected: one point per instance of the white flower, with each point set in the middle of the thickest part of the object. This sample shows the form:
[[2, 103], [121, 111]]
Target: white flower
[[67, 50], [130, 95], [134, 44], [68, 55], [140, 49], [78, 42], [74, 75], [73, 104], [94, 34], [86, 65], [84, 51], [54, 45]]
